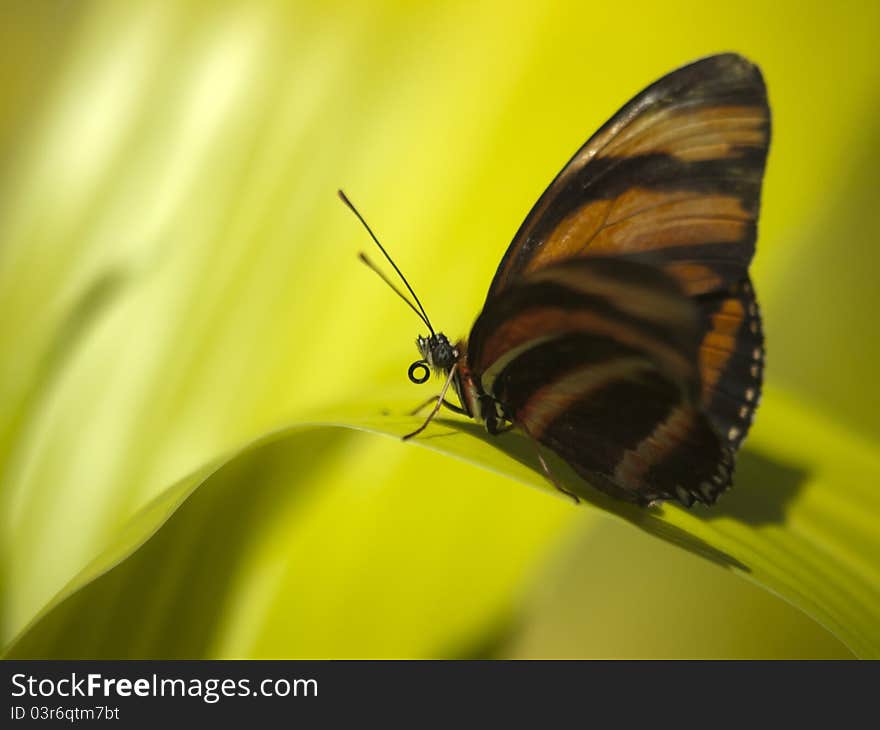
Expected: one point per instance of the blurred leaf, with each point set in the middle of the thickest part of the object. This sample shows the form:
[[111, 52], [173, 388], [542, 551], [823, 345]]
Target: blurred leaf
[[799, 523], [277, 556], [824, 340], [663, 604]]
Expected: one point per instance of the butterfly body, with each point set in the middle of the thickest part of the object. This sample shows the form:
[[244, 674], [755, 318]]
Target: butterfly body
[[621, 329]]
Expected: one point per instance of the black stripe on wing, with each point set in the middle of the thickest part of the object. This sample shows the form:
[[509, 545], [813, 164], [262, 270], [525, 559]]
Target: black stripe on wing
[[550, 360]]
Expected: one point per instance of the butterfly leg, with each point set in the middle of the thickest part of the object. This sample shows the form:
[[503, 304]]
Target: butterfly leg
[[553, 481], [440, 401], [493, 427], [545, 467], [446, 404]]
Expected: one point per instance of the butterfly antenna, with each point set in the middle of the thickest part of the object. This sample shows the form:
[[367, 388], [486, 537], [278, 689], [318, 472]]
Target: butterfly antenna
[[363, 257], [422, 314]]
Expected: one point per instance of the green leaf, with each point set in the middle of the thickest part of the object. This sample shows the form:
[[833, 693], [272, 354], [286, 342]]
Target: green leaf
[[794, 524], [667, 603], [273, 555]]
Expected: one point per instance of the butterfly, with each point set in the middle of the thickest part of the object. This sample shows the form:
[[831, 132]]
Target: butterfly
[[621, 329]]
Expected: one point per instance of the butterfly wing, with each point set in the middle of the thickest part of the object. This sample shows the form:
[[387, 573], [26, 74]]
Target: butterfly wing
[[673, 179], [597, 358], [677, 171]]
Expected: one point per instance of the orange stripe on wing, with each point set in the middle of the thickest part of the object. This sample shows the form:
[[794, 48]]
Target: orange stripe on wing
[[573, 234], [663, 306], [719, 348], [666, 436], [675, 204], [630, 222], [694, 278], [701, 133], [650, 233]]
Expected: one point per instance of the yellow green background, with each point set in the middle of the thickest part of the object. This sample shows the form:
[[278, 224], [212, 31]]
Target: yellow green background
[[186, 333]]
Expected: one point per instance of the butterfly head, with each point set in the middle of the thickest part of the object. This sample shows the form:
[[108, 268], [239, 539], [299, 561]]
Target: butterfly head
[[437, 352], [438, 355]]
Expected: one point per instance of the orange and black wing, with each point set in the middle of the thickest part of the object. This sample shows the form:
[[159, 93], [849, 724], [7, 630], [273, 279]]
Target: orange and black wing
[[674, 180], [597, 359], [676, 172]]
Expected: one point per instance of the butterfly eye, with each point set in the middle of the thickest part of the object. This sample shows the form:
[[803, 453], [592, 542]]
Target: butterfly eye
[[419, 372]]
